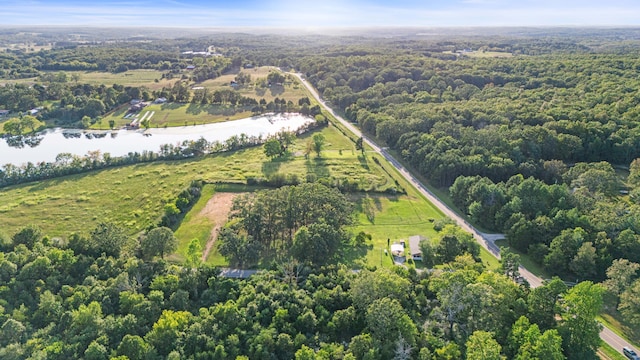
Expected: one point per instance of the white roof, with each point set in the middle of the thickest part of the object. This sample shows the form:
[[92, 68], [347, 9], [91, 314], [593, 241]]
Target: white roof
[[397, 248]]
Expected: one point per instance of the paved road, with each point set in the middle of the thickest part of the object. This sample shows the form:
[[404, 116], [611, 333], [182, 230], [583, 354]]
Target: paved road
[[485, 240]]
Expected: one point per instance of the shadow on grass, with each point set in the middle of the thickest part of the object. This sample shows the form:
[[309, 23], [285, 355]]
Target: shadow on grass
[[350, 253], [194, 109], [363, 161], [171, 106], [270, 167], [526, 261], [616, 320], [318, 167], [378, 204], [276, 90]]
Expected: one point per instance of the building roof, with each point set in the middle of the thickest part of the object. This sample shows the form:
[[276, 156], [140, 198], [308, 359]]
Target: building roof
[[414, 244], [397, 249]]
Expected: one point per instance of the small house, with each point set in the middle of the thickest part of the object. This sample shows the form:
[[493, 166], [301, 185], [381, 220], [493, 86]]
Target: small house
[[33, 112], [414, 247], [191, 67], [160, 100], [4, 113], [137, 107]]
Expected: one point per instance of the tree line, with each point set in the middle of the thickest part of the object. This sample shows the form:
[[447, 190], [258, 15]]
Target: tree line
[[67, 164]]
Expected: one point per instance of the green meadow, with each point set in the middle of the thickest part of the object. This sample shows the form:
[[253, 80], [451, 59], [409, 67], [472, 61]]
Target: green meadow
[[134, 196], [175, 114]]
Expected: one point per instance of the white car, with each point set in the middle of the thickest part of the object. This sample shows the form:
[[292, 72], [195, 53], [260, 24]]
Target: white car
[[630, 353]]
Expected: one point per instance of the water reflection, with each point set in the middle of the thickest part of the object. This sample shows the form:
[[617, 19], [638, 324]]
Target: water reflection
[[19, 141], [45, 146]]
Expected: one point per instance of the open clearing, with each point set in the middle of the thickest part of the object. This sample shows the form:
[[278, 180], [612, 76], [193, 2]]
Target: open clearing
[[291, 90], [140, 77], [203, 222], [134, 196], [175, 114], [217, 212], [129, 78]]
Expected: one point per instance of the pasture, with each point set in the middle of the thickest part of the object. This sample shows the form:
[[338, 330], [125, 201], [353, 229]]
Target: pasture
[[174, 114], [134, 196], [145, 78], [291, 90]]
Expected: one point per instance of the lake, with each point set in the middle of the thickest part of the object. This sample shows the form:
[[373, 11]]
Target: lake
[[122, 142]]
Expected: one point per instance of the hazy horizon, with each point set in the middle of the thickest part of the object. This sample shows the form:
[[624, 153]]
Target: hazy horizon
[[327, 14]]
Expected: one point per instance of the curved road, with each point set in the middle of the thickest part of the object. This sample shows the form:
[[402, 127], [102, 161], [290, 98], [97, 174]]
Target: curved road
[[485, 240]]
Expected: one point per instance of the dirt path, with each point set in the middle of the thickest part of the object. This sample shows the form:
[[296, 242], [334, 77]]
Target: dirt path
[[216, 210]]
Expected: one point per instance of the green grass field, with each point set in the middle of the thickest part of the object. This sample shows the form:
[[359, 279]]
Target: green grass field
[[140, 77], [395, 218], [291, 91], [175, 114], [194, 226], [134, 196], [129, 78]]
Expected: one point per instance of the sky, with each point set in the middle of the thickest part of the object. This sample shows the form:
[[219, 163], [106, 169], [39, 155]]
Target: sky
[[321, 13]]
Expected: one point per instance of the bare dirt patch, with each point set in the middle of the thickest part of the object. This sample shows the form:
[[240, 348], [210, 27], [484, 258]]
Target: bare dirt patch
[[217, 210]]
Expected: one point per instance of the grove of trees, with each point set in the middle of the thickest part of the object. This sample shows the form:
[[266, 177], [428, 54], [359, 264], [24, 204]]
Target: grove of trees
[[303, 222]]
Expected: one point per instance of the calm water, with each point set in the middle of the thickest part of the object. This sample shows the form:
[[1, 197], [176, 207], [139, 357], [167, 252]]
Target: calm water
[[122, 142]]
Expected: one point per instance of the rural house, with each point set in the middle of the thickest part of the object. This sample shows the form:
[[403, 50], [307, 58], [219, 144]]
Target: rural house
[[414, 247]]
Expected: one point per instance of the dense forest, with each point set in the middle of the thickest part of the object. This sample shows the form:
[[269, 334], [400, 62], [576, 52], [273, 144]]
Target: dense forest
[[103, 295], [531, 144]]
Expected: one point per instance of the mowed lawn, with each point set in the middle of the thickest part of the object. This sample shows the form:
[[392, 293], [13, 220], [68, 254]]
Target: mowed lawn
[[134, 196], [394, 218], [194, 226]]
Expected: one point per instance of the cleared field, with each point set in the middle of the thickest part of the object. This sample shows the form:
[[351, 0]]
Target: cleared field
[[392, 217], [32, 80], [175, 114], [205, 219], [130, 78], [26, 47], [134, 196], [290, 91], [198, 225]]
